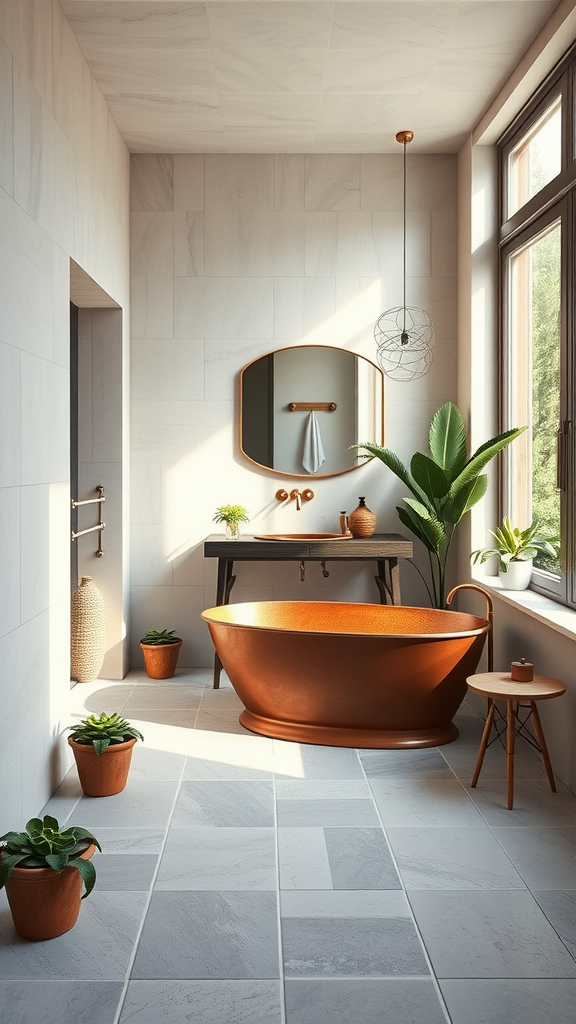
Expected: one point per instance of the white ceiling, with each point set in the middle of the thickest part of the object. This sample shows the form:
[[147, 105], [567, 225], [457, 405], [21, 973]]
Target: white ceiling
[[294, 76]]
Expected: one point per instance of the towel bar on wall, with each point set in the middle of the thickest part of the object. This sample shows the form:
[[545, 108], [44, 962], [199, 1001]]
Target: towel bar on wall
[[312, 406], [91, 529]]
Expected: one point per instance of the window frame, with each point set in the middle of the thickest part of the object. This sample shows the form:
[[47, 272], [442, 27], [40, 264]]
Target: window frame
[[555, 201]]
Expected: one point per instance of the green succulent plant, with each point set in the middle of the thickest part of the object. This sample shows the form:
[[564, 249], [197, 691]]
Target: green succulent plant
[[103, 730], [44, 844], [155, 637], [515, 545], [231, 514], [444, 486]]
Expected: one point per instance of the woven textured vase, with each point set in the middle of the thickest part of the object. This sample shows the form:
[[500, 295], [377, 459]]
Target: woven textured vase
[[362, 521], [88, 635]]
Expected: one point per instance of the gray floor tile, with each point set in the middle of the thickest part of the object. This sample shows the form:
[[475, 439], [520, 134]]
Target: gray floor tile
[[452, 858], [99, 945], [351, 947], [182, 718], [202, 1002], [320, 789], [560, 909], [128, 841], [304, 761], [404, 803], [149, 696], [513, 1001], [202, 935], [489, 935], [221, 723], [369, 1001], [224, 805], [308, 813], [203, 769], [216, 859], [380, 903], [59, 1002], [109, 699], [534, 804], [149, 802], [149, 765], [545, 857], [359, 858], [303, 859], [116, 871], [63, 801], [413, 764]]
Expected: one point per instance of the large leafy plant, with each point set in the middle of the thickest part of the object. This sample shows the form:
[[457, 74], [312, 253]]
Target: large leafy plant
[[44, 844], [443, 485], [516, 545], [103, 730]]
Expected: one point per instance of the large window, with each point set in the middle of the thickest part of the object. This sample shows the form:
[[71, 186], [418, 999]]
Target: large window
[[538, 226]]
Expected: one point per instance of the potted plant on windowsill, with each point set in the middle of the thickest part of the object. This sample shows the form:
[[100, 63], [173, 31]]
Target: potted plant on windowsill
[[102, 747], [515, 550], [232, 516], [43, 869], [160, 649]]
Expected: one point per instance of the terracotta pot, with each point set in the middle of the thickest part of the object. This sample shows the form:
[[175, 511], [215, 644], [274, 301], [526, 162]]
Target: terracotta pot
[[160, 660], [106, 773], [362, 521], [45, 903]]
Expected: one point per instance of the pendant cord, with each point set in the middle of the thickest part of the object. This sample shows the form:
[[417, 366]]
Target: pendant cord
[[404, 242]]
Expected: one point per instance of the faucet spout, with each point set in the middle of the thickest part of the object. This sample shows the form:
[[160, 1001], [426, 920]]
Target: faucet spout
[[489, 615], [297, 495]]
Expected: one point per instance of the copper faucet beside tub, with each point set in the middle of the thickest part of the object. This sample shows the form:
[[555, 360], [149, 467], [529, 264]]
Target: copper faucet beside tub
[[348, 675]]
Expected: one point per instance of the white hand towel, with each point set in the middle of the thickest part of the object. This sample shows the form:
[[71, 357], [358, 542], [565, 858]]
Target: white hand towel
[[313, 455]]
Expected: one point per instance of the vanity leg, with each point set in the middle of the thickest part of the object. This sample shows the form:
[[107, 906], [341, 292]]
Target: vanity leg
[[389, 588], [224, 585]]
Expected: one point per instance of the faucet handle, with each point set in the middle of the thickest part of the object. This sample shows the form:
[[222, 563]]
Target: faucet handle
[[281, 495], [307, 495]]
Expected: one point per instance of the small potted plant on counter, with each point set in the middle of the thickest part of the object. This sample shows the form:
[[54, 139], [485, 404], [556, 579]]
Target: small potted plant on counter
[[43, 869], [102, 747], [515, 550], [232, 516], [160, 649]]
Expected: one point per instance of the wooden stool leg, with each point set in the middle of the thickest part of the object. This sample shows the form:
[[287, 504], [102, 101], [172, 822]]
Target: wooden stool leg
[[483, 742], [510, 736], [540, 737]]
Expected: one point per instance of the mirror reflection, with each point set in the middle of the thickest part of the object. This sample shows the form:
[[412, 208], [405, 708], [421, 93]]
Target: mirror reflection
[[303, 407]]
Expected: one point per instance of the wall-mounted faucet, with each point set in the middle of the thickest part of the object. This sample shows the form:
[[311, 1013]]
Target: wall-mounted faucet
[[298, 496], [301, 496]]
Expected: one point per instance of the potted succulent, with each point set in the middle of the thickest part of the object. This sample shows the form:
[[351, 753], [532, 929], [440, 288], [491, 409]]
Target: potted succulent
[[43, 869], [444, 486], [232, 516], [102, 747], [515, 549], [160, 649]]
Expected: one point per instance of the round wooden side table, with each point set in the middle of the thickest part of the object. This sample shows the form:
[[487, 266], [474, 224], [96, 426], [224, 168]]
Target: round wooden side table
[[500, 686]]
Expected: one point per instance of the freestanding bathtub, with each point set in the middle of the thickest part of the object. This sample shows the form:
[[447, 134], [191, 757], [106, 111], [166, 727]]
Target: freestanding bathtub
[[349, 675]]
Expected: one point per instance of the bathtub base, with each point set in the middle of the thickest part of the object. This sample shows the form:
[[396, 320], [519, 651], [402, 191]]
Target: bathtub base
[[334, 736]]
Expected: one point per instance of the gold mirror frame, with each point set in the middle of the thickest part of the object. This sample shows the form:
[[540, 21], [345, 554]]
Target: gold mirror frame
[[304, 475]]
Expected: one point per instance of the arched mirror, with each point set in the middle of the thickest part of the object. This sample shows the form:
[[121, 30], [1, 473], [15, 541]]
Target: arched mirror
[[301, 408]]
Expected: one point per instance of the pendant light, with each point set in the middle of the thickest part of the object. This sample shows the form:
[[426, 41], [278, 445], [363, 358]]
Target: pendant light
[[404, 335]]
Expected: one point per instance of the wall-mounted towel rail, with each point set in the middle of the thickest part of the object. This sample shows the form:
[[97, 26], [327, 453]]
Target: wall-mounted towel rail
[[312, 406], [92, 529]]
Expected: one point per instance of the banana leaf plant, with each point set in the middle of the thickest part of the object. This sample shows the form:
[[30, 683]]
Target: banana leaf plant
[[443, 487]]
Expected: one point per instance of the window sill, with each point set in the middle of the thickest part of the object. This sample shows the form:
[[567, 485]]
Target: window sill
[[550, 613]]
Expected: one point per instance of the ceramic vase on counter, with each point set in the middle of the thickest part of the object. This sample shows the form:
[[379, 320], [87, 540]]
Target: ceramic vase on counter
[[362, 521]]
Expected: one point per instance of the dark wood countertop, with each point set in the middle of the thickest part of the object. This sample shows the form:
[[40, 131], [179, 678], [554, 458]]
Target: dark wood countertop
[[248, 549]]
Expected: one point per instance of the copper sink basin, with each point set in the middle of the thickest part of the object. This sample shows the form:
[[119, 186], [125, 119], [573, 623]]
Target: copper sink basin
[[301, 536]]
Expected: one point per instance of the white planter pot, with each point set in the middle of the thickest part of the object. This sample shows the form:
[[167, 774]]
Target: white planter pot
[[518, 575]]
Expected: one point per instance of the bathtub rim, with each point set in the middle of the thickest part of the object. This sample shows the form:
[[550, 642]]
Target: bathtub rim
[[219, 615]]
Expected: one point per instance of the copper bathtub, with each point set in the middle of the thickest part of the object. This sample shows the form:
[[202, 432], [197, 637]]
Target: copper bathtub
[[349, 675]]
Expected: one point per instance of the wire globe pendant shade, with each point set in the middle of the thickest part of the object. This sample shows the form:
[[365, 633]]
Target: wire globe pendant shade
[[404, 335]]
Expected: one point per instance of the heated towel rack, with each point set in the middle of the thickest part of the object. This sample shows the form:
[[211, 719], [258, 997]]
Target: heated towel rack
[[100, 525]]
